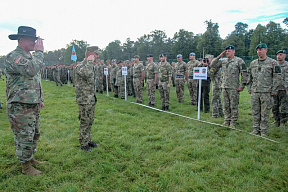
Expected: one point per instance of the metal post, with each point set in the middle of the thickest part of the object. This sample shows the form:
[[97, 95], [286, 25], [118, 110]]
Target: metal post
[[125, 88], [199, 98], [107, 85]]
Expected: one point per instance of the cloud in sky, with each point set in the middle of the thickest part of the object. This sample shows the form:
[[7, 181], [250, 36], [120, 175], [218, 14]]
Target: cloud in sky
[[103, 21]]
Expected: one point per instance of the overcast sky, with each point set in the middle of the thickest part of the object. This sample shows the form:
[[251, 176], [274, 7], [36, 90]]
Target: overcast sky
[[100, 22]]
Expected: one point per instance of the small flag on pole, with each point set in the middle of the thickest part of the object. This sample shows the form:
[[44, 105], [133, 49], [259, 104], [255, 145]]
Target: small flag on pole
[[73, 55]]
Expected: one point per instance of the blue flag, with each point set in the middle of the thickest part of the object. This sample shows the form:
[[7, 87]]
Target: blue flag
[[73, 55]]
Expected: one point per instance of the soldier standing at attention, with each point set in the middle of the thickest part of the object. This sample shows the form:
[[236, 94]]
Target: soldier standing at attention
[[138, 78], [164, 76], [264, 80], [120, 80], [85, 92], [232, 67], [112, 73], [281, 99], [181, 77], [25, 96], [192, 83], [152, 76]]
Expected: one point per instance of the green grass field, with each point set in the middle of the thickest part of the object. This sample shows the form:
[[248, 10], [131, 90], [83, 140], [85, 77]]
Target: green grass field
[[145, 150]]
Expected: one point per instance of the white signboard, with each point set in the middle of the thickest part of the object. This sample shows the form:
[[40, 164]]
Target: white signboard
[[124, 70], [200, 72], [105, 71]]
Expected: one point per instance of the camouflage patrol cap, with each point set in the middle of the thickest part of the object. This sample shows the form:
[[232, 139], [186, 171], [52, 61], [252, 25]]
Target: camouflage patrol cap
[[230, 47], [281, 51], [137, 56], [261, 45], [92, 49]]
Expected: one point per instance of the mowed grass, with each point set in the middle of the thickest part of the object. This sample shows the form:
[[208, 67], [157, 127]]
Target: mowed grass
[[145, 150]]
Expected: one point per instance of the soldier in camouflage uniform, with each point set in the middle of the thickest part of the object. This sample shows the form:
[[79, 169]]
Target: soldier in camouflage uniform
[[129, 79], [181, 77], [24, 95], [264, 80], [164, 77], [120, 80], [138, 78], [216, 102], [232, 67], [192, 83], [56, 75], [99, 77], [85, 92], [152, 76], [281, 99], [112, 73]]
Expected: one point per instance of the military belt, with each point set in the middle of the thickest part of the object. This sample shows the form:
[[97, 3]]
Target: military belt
[[190, 77], [179, 76]]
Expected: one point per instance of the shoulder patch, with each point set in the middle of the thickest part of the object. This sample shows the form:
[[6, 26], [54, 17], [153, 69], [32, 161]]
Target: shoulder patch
[[17, 59], [277, 69], [23, 61]]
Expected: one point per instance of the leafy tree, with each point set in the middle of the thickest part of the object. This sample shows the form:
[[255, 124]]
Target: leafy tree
[[128, 49], [184, 43], [114, 50], [285, 21], [237, 38], [258, 36], [211, 41], [275, 37]]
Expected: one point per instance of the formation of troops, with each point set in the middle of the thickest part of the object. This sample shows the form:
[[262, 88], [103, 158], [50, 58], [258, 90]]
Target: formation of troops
[[228, 77], [266, 80]]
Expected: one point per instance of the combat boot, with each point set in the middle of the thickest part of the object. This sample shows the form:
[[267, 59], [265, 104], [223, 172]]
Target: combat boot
[[167, 108], [35, 162], [163, 108], [93, 145], [28, 169]]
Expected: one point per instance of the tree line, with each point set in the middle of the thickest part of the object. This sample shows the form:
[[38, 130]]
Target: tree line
[[183, 42]]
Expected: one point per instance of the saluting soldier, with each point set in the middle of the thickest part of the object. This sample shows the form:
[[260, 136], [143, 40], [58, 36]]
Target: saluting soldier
[[25, 96], [232, 68]]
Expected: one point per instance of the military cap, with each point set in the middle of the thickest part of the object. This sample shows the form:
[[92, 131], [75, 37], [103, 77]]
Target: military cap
[[92, 49], [209, 56], [179, 55], [119, 62], [282, 51], [192, 54], [261, 45], [163, 55], [132, 59], [23, 31], [149, 55], [230, 47], [136, 56]]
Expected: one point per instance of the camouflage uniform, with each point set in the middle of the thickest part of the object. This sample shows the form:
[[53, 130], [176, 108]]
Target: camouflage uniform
[[230, 83], [281, 100], [85, 92], [173, 73], [137, 73], [264, 79], [217, 109], [99, 78], [164, 74], [192, 83], [180, 71], [120, 82], [151, 70], [24, 95], [56, 75]]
